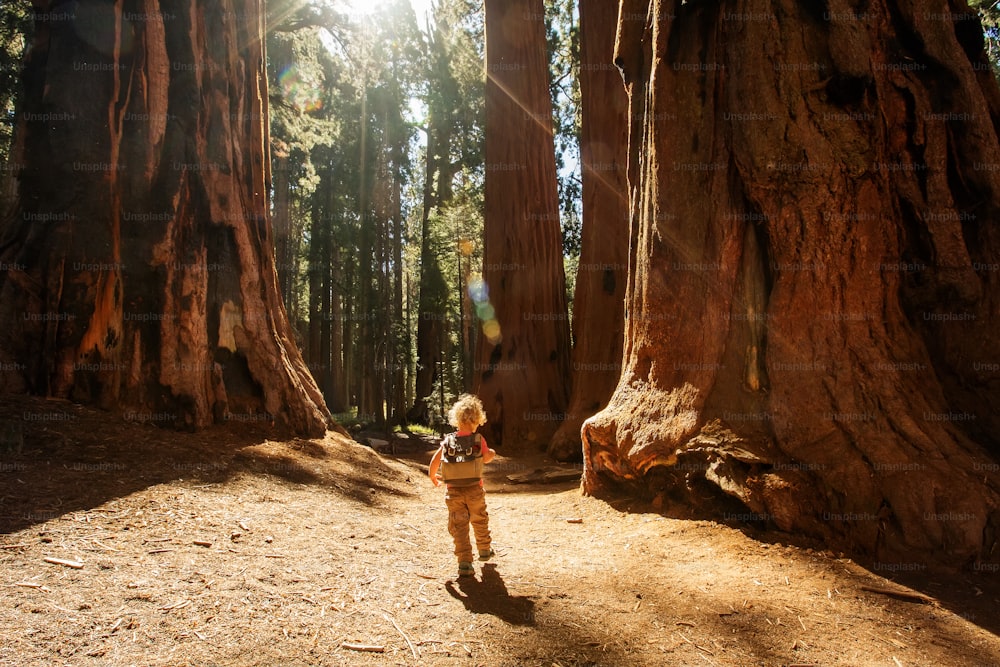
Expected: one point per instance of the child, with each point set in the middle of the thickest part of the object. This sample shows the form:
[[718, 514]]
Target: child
[[460, 459]]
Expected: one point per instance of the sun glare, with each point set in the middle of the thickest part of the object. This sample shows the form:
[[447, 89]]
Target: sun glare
[[420, 7]]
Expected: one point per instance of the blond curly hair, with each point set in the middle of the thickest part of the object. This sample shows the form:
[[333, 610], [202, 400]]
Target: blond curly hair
[[467, 411]]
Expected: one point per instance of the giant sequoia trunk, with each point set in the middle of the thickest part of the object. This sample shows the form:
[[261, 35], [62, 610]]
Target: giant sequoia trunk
[[146, 276], [812, 317], [523, 372], [598, 325]]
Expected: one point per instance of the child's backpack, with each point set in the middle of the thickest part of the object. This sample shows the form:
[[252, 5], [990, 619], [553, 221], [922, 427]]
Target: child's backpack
[[462, 459]]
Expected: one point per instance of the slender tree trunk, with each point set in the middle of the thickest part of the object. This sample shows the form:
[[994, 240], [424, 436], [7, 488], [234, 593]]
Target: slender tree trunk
[[431, 301], [400, 336], [369, 403], [336, 394], [318, 322], [8, 182], [149, 279], [349, 329], [598, 304], [382, 291], [813, 298], [523, 377], [284, 246], [324, 260]]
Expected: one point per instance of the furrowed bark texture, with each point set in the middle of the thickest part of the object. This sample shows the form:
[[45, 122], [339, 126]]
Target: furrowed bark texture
[[598, 304], [812, 318], [523, 370], [147, 275]]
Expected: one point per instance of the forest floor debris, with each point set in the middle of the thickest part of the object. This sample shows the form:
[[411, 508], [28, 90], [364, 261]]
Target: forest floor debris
[[238, 547]]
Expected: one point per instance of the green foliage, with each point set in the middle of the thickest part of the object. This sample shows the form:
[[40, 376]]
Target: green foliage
[[416, 429], [563, 35], [15, 32], [353, 98], [989, 16]]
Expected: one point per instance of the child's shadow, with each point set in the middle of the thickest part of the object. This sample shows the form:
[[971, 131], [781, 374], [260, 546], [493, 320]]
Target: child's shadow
[[490, 596]]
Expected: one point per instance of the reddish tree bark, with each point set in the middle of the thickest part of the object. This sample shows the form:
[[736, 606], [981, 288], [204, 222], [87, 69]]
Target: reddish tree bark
[[146, 275], [812, 317], [523, 371], [598, 304]]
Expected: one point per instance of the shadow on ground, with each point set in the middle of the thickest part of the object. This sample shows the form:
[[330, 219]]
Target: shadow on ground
[[489, 595], [63, 457], [972, 593]]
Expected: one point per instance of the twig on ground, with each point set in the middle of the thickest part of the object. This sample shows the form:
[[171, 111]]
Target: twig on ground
[[365, 648], [75, 564], [413, 649], [32, 584]]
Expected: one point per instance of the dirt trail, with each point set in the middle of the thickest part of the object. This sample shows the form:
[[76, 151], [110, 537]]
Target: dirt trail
[[308, 548]]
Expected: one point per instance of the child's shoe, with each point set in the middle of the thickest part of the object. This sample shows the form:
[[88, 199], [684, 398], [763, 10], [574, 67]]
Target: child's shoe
[[466, 570], [486, 555]]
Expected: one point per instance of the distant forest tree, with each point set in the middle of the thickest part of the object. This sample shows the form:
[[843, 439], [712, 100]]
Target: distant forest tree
[[377, 150]]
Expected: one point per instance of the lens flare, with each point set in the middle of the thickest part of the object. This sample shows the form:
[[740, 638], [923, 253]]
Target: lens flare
[[491, 330], [479, 292], [298, 91], [485, 311]]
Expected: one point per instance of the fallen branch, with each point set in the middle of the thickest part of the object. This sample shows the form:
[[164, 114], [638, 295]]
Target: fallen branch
[[14, 546], [906, 596], [413, 649], [75, 564], [366, 648]]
